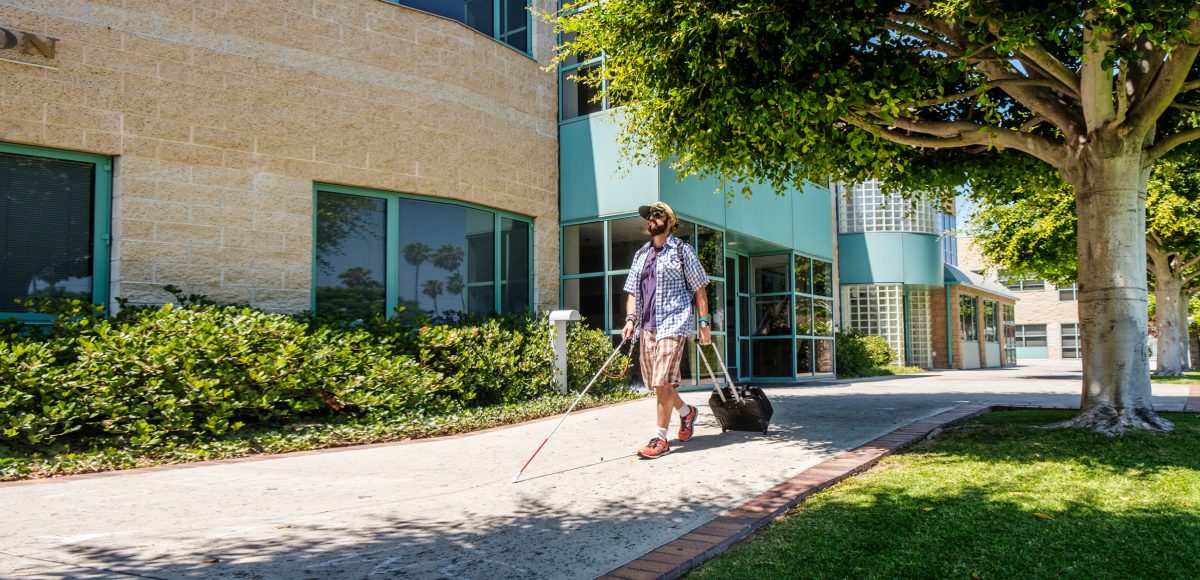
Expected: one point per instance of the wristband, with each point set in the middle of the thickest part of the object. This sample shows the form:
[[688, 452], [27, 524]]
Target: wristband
[[703, 319], [630, 317]]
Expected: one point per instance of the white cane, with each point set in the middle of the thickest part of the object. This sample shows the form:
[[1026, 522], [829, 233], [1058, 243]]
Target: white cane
[[572, 407]]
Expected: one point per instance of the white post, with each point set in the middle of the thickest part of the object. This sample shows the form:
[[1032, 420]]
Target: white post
[[558, 324]]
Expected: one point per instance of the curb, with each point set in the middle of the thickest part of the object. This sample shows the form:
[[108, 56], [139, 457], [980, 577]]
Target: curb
[[678, 557], [287, 454]]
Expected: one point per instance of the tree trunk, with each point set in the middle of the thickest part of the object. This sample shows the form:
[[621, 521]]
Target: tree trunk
[[1185, 339], [1168, 293], [1110, 192]]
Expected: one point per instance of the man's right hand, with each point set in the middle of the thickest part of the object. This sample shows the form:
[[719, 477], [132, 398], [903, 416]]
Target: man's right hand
[[627, 332]]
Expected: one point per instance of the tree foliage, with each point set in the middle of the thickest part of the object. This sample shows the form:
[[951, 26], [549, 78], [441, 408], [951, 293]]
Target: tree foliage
[[1035, 235], [928, 96], [921, 94]]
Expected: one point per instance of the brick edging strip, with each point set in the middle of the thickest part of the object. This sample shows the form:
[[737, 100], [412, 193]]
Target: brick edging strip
[[676, 558]]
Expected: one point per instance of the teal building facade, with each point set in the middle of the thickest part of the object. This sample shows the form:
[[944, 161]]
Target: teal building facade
[[771, 257]]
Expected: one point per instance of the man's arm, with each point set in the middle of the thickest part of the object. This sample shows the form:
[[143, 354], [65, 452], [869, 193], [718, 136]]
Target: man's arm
[[630, 316], [702, 311]]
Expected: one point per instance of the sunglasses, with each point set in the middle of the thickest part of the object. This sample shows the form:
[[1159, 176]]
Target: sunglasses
[[656, 215]]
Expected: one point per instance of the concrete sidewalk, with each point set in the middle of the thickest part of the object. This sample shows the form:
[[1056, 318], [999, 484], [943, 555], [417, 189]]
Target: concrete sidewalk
[[445, 508]]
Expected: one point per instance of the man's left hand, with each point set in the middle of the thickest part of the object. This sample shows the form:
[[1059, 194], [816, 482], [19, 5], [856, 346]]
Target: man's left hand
[[705, 335]]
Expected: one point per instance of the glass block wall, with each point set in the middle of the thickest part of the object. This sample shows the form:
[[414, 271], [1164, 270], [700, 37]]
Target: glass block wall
[[878, 310], [920, 328], [865, 208]]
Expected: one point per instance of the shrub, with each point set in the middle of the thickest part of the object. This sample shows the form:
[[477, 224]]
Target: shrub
[[858, 354], [496, 361], [587, 349], [201, 370], [198, 371]]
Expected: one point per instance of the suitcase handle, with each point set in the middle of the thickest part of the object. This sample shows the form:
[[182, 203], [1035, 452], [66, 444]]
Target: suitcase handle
[[729, 380]]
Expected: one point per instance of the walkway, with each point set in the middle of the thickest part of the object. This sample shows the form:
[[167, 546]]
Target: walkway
[[446, 508]]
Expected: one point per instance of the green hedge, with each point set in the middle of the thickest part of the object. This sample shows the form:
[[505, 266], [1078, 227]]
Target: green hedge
[[859, 354], [202, 370]]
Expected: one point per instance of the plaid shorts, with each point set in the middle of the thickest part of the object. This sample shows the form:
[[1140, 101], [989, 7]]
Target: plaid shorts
[[660, 359]]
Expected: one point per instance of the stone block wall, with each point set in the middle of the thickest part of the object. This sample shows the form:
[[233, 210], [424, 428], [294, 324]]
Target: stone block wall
[[222, 115]]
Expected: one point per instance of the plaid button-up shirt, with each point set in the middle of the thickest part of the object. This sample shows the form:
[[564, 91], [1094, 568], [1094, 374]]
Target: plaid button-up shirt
[[677, 282]]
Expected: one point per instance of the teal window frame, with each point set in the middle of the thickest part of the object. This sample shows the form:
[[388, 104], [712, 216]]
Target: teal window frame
[[101, 220], [496, 33], [1068, 293], [812, 314], [597, 60], [393, 253]]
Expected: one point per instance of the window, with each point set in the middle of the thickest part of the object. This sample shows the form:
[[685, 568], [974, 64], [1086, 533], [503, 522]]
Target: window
[[1021, 284], [504, 20], [991, 321], [54, 211], [967, 314], [1030, 335], [1010, 334], [577, 98], [1068, 294], [865, 208], [377, 252], [949, 239], [1070, 340]]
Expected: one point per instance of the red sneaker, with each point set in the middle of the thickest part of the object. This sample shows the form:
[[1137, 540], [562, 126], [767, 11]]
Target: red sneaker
[[654, 449], [686, 423]]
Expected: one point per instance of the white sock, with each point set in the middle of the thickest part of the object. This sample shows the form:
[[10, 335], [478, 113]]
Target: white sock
[[684, 410], [661, 433]]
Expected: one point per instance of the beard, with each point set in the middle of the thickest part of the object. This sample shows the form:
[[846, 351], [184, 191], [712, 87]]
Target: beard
[[657, 228]]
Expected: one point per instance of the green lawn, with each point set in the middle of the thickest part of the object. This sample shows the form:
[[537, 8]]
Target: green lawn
[[998, 498], [1187, 378]]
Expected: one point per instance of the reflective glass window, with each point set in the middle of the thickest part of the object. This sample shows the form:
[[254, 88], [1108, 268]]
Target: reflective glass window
[[968, 326], [46, 229], [578, 97], [515, 265], [583, 249], [711, 249], [770, 274], [803, 274], [587, 296], [771, 358], [351, 255], [625, 237], [822, 278]]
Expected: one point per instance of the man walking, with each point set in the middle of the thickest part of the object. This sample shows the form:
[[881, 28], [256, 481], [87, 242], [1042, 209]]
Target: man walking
[[665, 276]]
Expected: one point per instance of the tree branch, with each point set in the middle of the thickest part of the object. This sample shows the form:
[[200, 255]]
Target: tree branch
[[1122, 94], [1166, 144], [943, 135], [904, 28], [1189, 86], [1096, 81], [1068, 81], [977, 91], [1165, 85], [1190, 263]]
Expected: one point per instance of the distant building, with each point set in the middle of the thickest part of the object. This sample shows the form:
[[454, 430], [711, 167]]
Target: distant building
[[1047, 319]]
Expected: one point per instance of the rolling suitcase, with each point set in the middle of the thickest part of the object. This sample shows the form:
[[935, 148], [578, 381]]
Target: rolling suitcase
[[737, 408]]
